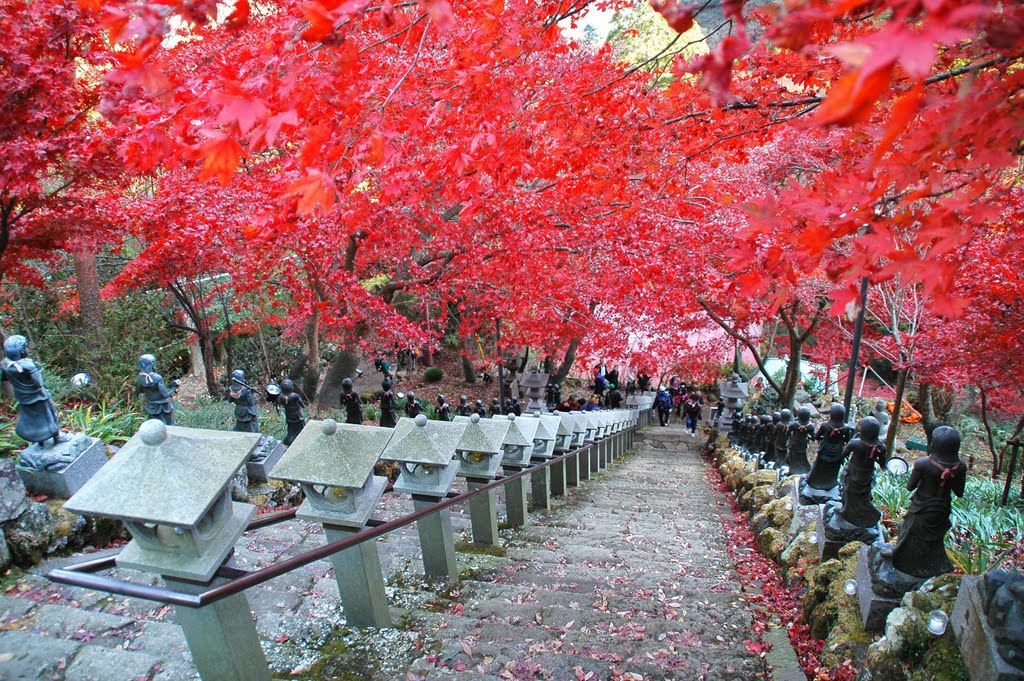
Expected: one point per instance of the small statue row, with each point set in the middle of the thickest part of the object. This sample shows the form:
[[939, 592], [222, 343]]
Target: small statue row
[[782, 441], [414, 407]]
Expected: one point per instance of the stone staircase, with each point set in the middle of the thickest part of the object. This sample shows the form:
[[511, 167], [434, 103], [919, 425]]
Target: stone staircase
[[626, 577]]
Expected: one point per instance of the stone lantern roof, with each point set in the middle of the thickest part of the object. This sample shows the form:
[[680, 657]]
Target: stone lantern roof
[[331, 453], [486, 436], [426, 442], [165, 474]]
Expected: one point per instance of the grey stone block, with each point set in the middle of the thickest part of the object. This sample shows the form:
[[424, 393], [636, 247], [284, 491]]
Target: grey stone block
[[259, 471], [874, 609], [110, 664], [63, 620], [14, 608], [834, 532], [977, 643], [29, 657], [64, 483]]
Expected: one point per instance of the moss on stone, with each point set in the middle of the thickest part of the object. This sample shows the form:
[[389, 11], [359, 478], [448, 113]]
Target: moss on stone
[[480, 549], [772, 542], [780, 516], [827, 604], [941, 662]]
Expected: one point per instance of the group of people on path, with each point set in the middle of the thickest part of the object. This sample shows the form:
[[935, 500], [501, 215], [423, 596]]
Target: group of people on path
[[686, 401]]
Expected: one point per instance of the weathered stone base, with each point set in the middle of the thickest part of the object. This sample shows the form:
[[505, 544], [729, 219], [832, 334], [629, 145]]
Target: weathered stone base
[[977, 642], [810, 496], [259, 471], [834, 532], [62, 484], [880, 587]]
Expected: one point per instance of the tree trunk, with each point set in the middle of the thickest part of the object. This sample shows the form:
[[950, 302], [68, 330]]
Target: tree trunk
[[567, 362], [206, 347], [89, 309], [792, 380], [894, 423], [342, 366], [311, 379]]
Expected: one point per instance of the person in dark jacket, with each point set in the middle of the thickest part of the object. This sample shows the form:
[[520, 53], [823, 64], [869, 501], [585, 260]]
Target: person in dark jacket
[[663, 403]]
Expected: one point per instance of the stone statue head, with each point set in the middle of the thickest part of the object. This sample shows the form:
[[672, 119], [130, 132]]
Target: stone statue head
[[837, 414], [804, 416], [869, 429], [386, 384], [764, 419], [238, 376], [440, 400], [346, 385], [786, 416], [463, 399], [945, 446], [776, 417], [410, 397], [287, 386], [147, 363], [479, 403], [16, 347], [879, 405]]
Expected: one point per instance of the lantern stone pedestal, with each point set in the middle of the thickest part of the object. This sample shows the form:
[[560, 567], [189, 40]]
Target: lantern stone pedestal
[[516, 510], [334, 465], [483, 513], [436, 540], [88, 456], [519, 446], [221, 636], [540, 487]]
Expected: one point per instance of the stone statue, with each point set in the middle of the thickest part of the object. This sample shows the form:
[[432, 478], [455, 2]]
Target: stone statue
[[240, 394], [495, 407], [464, 408], [882, 414], [920, 550], [444, 410], [480, 409], [388, 406], [769, 437], [761, 432], [292, 403], [412, 405], [749, 426], [352, 403], [514, 407], [37, 416], [157, 395], [1004, 611], [832, 437], [864, 452], [782, 437], [800, 434]]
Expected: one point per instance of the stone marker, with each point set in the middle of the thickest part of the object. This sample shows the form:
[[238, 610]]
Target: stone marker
[[535, 382], [333, 463], [72, 462], [988, 620], [171, 488], [424, 452]]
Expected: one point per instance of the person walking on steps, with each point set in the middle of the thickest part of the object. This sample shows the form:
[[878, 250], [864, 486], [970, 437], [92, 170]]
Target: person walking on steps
[[663, 403]]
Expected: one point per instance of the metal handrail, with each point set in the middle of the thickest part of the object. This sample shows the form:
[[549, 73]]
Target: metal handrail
[[82, 574]]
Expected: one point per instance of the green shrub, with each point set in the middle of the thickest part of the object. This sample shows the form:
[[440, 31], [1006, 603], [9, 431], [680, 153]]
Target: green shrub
[[113, 424], [433, 375]]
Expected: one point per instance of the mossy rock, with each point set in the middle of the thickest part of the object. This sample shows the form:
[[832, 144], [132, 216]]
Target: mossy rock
[[780, 516], [799, 558], [759, 497], [906, 629], [786, 484], [938, 593], [759, 523], [942, 661], [758, 478], [772, 542], [826, 598], [881, 664]]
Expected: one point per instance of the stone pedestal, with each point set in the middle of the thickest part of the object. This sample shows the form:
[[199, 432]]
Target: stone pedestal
[[572, 470], [558, 484], [595, 457], [436, 541], [584, 461], [880, 589], [515, 500], [977, 641], [809, 496], [258, 466], [540, 488], [483, 514], [88, 456], [834, 532], [360, 580], [221, 636]]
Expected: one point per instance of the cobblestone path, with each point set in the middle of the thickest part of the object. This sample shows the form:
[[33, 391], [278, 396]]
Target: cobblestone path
[[627, 577]]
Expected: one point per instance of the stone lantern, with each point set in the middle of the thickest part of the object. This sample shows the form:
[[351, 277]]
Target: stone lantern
[[733, 392], [565, 444], [519, 445], [535, 382], [480, 453], [424, 452], [579, 441], [333, 463], [170, 487]]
